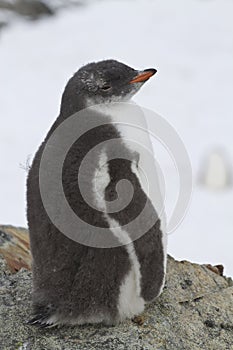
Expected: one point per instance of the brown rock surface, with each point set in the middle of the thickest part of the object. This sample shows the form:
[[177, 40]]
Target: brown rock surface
[[14, 247]]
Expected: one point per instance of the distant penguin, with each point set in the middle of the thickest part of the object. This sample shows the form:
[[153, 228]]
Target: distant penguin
[[75, 283], [216, 170]]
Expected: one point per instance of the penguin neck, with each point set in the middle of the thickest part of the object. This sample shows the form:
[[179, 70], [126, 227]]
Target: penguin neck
[[129, 120], [117, 111]]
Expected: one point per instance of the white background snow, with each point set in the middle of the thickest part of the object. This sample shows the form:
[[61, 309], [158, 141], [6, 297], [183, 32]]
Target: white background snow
[[191, 45]]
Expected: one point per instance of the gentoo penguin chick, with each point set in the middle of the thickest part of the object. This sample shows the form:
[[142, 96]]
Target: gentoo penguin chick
[[76, 283]]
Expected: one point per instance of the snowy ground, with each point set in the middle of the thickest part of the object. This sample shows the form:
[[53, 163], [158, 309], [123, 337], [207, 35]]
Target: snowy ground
[[189, 42]]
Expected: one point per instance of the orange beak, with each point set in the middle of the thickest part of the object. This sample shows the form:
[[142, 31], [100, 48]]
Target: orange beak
[[144, 75]]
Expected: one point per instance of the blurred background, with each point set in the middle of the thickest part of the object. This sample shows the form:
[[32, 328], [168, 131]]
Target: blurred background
[[42, 43]]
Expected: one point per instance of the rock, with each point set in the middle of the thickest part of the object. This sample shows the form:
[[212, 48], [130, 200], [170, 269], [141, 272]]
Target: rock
[[35, 9], [2, 25], [194, 312], [14, 247], [6, 4], [32, 9], [11, 10], [27, 8]]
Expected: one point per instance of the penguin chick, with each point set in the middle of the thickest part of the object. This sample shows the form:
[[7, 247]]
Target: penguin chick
[[76, 283]]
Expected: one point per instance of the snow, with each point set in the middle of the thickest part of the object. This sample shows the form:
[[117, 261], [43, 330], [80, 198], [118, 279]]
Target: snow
[[189, 42]]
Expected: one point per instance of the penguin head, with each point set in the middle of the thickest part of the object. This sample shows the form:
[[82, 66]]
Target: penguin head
[[107, 81]]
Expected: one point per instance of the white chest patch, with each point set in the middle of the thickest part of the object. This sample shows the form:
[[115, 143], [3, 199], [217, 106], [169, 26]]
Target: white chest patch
[[130, 302], [132, 126]]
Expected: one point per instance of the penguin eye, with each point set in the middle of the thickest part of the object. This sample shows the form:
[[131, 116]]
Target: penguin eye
[[106, 87]]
